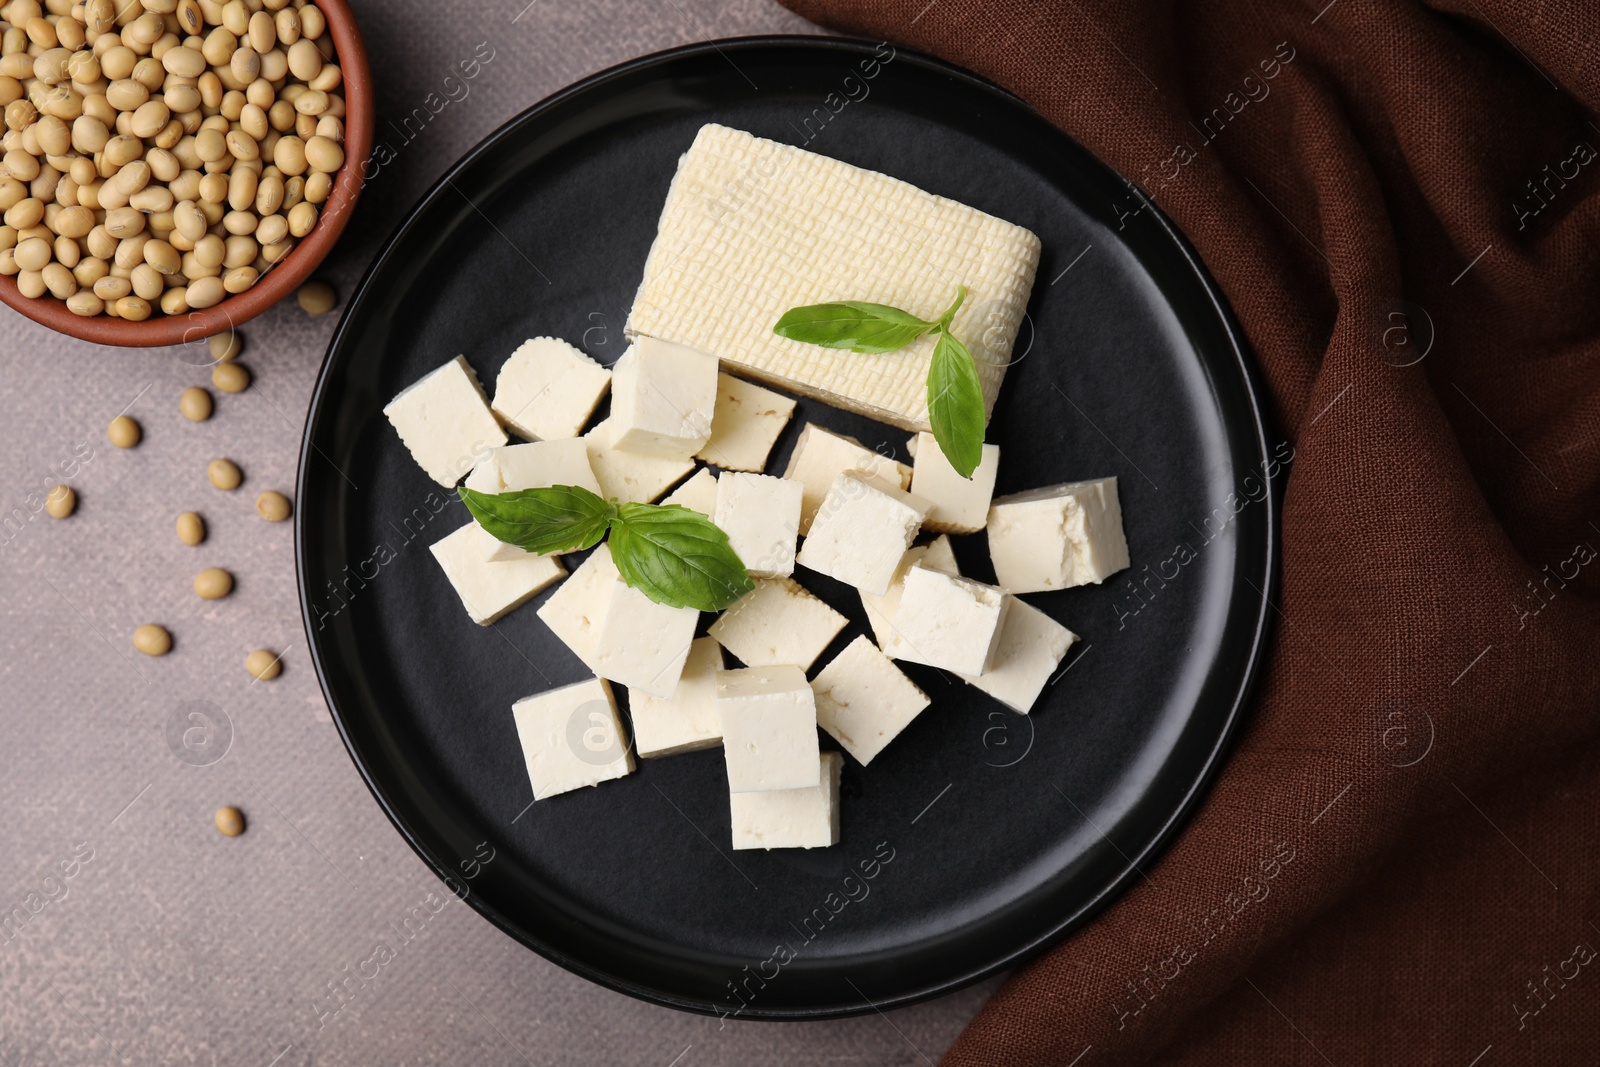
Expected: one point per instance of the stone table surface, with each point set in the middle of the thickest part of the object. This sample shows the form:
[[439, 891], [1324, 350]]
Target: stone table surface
[[130, 930]]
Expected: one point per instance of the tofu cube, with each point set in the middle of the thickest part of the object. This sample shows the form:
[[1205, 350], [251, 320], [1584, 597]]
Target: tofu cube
[[864, 700], [687, 720], [571, 738], [769, 728], [489, 590], [955, 504], [881, 609], [1031, 647], [697, 494], [445, 422], [631, 477], [819, 457], [862, 529], [575, 610], [642, 644], [548, 389], [1057, 537], [777, 622], [761, 516], [663, 398], [949, 622], [532, 466], [745, 425], [790, 818]]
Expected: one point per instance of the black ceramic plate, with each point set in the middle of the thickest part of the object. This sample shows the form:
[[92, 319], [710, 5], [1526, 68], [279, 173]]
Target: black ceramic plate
[[979, 836]]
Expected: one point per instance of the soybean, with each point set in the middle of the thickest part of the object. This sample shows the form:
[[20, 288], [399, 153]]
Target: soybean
[[191, 528], [224, 473], [263, 665], [230, 377], [152, 640], [195, 403], [213, 583], [62, 502], [272, 506], [124, 432]]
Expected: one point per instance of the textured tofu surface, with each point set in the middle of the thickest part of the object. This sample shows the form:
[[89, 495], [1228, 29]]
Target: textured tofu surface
[[1031, 647], [445, 422], [1057, 537], [752, 228], [949, 622], [955, 504], [761, 516], [864, 701], [746, 424], [547, 389], [938, 555], [571, 738], [862, 529], [687, 720], [490, 589], [573, 612], [820, 456], [790, 818], [769, 728], [778, 622]]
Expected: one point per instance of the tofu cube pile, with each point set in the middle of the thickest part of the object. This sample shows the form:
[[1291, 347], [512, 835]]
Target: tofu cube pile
[[686, 427]]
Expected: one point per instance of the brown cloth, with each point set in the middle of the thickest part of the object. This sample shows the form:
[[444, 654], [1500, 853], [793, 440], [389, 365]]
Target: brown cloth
[[1398, 865]]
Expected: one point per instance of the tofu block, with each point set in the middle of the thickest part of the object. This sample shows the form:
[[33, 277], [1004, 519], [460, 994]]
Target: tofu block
[[445, 422], [1057, 537], [790, 818], [819, 457], [631, 477], [687, 720], [881, 609], [642, 644], [862, 529], [864, 700], [949, 622], [571, 738], [1032, 645], [547, 389], [752, 228], [769, 728], [532, 466], [489, 590], [956, 504], [745, 425], [663, 398], [777, 622], [761, 516], [697, 494], [574, 611]]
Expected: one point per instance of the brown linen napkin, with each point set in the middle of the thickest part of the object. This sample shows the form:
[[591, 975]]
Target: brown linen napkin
[[1400, 201]]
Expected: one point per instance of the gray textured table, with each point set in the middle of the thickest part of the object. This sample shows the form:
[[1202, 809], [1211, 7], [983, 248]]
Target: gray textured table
[[169, 943]]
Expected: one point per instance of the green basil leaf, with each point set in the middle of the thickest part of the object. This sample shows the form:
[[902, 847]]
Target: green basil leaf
[[677, 557], [852, 324], [955, 404], [562, 518]]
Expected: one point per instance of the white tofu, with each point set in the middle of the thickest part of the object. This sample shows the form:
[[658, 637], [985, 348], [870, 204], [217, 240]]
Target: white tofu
[[819, 457], [574, 610], [949, 622], [663, 398], [1057, 537], [485, 477], [790, 818], [769, 728], [697, 494], [938, 555], [631, 477], [445, 422], [642, 644], [956, 504], [489, 590], [571, 738], [1032, 645], [862, 529], [687, 720], [761, 516], [745, 425], [538, 465], [548, 389], [864, 700], [777, 622]]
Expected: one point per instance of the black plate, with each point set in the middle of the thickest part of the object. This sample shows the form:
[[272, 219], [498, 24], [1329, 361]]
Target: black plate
[[1001, 832]]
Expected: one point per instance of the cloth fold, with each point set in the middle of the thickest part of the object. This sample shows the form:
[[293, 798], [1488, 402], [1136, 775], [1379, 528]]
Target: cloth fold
[[1400, 202]]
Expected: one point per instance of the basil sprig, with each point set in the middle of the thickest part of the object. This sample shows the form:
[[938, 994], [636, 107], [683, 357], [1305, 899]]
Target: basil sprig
[[671, 554], [955, 395]]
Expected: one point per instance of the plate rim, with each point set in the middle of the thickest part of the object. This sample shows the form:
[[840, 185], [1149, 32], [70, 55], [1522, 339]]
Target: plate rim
[[1261, 631]]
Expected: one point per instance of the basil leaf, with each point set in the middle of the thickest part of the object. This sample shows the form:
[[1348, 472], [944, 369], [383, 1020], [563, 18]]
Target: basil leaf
[[955, 404], [562, 518], [852, 324], [677, 557]]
